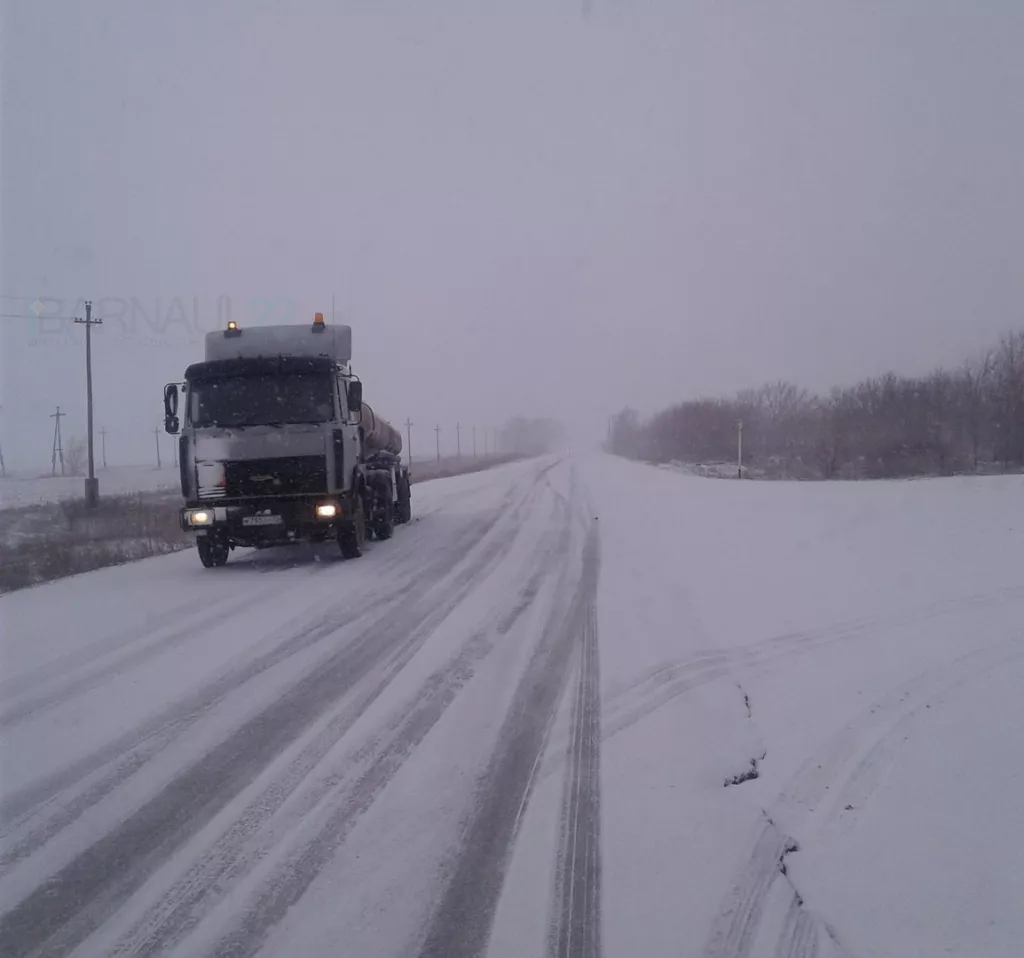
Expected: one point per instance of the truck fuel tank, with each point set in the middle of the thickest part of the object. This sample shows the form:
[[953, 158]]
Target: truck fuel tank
[[379, 435]]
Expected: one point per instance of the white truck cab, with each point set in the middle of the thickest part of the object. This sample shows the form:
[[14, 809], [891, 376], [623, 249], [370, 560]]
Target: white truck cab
[[276, 444]]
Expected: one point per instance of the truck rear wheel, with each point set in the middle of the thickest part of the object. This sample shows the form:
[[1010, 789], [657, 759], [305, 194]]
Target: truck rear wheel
[[403, 511], [212, 553], [352, 535], [384, 527]]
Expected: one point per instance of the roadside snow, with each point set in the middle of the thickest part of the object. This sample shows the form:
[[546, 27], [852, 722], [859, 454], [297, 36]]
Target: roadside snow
[[924, 837], [809, 624]]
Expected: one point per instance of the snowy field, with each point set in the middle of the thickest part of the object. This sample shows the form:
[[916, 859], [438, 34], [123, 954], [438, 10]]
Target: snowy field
[[27, 490], [508, 731]]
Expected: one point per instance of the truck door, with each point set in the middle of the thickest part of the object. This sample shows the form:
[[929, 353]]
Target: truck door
[[342, 454]]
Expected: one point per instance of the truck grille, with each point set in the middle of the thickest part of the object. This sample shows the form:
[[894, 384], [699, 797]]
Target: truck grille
[[287, 476]]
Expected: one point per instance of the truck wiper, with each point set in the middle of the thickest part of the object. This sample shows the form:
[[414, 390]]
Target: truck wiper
[[277, 423]]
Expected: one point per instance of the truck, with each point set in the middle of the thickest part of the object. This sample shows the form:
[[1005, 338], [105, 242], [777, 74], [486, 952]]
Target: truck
[[276, 444]]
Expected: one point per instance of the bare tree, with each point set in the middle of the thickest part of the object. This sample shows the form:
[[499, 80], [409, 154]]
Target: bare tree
[[1007, 394], [881, 427], [74, 457], [974, 384]]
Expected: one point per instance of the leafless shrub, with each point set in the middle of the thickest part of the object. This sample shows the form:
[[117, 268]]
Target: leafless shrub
[[884, 427], [75, 456]]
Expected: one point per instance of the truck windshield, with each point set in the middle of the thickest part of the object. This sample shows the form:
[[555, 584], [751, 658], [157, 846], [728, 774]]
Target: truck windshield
[[260, 400]]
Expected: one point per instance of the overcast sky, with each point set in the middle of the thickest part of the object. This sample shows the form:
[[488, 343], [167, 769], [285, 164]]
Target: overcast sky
[[532, 206]]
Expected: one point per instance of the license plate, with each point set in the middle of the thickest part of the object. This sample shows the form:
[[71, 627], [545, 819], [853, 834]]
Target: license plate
[[261, 520]]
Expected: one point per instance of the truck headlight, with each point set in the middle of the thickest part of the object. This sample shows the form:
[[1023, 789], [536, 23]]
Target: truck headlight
[[200, 517], [326, 510]]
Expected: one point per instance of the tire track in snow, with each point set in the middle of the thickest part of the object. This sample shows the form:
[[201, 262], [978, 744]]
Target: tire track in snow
[[290, 880], [461, 923], [576, 926], [883, 721], [181, 616], [138, 745], [630, 705], [799, 937], [735, 927], [737, 922], [352, 793], [65, 910], [140, 653], [58, 668]]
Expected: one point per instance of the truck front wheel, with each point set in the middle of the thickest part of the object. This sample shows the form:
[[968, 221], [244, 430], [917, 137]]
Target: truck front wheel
[[212, 553], [352, 535]]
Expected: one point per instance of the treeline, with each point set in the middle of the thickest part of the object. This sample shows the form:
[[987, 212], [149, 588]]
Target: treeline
[[530, 437], [966, 420]]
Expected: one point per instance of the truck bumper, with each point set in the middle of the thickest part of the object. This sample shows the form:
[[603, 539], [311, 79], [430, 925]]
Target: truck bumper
[[267, 521]]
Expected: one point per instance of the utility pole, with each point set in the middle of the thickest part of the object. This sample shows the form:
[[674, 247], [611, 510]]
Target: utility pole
[[474, 442], [487, 432], [92, 484], [58, 445], [739, 449], [3, 468], [458, 440], [103, 438], [408, 435], [156, 435], [437, 432]]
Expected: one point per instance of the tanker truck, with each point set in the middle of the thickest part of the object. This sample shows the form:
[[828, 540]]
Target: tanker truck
[[276, 444]]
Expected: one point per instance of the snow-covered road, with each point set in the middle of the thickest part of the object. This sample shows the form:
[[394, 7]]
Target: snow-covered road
[[508, 731]]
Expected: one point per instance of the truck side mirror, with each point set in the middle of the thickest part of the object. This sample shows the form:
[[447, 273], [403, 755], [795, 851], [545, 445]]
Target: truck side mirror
[[171, 408], [171, 399], [355, 396]]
